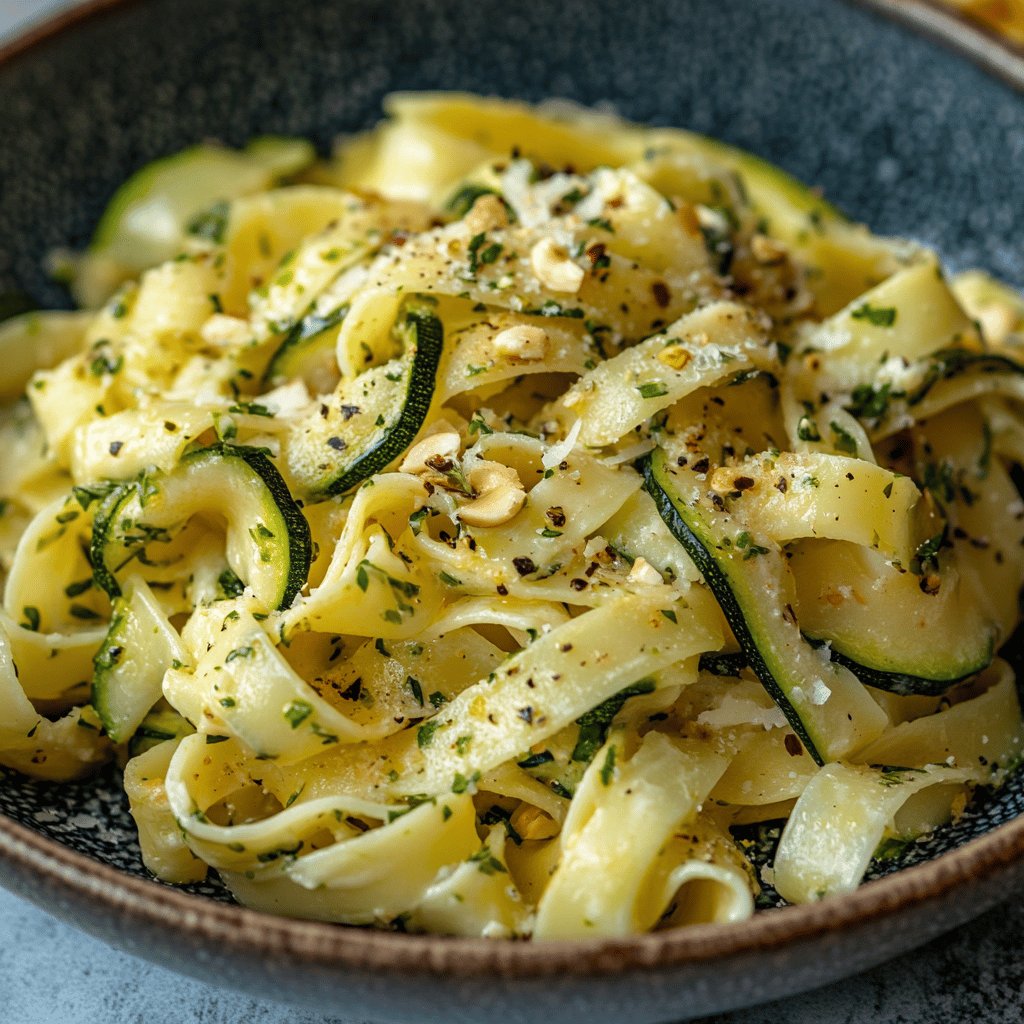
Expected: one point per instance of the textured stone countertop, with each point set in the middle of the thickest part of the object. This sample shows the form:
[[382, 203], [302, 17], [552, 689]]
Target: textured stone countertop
[[50, 973]]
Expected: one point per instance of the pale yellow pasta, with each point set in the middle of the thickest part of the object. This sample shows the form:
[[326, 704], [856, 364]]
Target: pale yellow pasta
[[483, 531]]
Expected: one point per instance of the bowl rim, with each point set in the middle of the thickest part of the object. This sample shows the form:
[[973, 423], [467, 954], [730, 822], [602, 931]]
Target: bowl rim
[[240, 931]]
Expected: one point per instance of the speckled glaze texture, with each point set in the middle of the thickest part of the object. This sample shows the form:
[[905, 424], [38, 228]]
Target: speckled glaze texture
[[898, 131]]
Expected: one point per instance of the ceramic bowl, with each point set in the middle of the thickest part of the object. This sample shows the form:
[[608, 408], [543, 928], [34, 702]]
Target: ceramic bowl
[[906, 133]]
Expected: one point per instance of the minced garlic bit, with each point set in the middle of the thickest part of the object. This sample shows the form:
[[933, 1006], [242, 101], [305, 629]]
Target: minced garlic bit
[[643, 572], [723, 480], [531, 822], [766, 250], [554, 268], [488, 214]]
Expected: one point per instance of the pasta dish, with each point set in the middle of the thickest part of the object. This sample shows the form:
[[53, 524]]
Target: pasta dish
[[471, 532]]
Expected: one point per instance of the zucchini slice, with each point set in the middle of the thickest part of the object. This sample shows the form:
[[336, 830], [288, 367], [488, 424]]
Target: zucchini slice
[[151, 215], [828, 708], [883, 627], [128, 670], [372, 419], [947, 377], [305, 347], [268, 538], [161, 724]]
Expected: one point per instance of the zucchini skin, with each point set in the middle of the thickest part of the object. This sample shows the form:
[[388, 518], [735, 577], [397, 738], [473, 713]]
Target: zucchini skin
[[948, 363], [300, 543], [300, 540], [429, 335], [102, 524], [104, 661], [720, 587], [725, 665], [900, 683], [300, 337]]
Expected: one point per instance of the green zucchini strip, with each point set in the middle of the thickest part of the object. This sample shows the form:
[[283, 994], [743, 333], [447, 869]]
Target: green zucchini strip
[[372, 419], [128, 670], [827, 707], [268, 540]]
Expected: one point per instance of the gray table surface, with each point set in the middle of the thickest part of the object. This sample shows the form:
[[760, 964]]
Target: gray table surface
[[50, 973]]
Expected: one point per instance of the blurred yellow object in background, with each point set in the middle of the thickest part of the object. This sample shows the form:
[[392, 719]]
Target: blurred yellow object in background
[[1003, 16]]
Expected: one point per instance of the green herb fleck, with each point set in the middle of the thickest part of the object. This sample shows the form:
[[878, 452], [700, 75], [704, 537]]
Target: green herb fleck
[[843, 441], [652, 389], [877, 316], [425, 733], [297, 712], [608, 768]]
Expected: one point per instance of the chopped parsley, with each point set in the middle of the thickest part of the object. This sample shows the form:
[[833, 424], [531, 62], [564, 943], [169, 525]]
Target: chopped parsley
[[877, 316], [425, 733], [652, 389], [297, 712], [807, 429], [843, 440], [594, 724], [608, 768]]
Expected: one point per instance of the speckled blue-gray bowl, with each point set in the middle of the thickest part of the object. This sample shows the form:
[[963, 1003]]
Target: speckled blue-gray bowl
[[906, 134]]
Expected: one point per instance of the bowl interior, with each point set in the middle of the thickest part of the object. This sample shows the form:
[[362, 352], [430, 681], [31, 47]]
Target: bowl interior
[[900, 133]]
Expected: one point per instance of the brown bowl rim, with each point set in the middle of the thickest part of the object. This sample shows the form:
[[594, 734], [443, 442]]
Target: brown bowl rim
[[237, 930]]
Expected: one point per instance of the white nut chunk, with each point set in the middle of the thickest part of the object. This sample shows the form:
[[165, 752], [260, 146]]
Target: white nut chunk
[[436, 447], [553, 267], [499, 491], [644, 572], [488, 214], [524, 342]]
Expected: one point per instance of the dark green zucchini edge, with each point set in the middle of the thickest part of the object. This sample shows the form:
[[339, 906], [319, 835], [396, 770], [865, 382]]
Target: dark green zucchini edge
[[719, 585], [428, 334], [299, 546], [302, 336]]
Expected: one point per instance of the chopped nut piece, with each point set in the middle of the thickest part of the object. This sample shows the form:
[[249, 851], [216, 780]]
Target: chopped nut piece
[[523, 341], [643, 572], [766, 250], [553, 267], [597, 550], [722, 480], [488, 214], [499, 491], [675, 356], [418, 459]]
